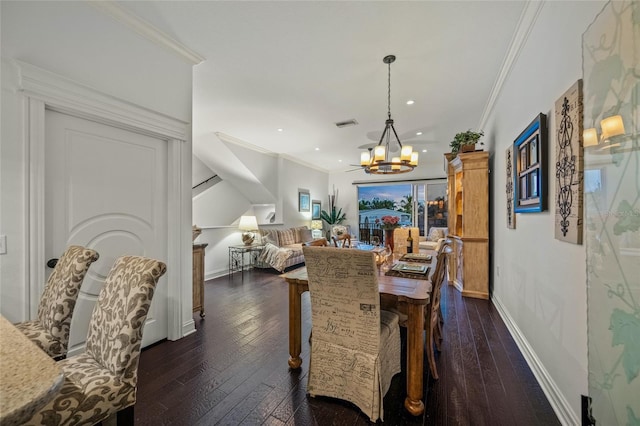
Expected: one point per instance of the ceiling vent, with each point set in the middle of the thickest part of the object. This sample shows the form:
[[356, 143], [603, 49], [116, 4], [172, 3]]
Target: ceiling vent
[[346, 123]]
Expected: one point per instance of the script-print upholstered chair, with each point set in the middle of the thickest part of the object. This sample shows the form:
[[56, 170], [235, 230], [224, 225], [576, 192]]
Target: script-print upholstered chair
[[102, 381], [50, 330], [356, 345], [432, 312]]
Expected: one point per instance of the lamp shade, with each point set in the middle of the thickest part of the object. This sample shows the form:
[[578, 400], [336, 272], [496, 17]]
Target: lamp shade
[[612, 126], [316, 224], [248, 223], [590, 137]]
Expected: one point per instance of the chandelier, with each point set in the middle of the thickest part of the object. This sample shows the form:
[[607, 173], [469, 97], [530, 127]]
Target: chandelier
[[378, 162]]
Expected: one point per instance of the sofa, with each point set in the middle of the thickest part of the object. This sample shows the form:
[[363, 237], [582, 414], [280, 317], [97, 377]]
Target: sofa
[[283, 247], [435, 238]]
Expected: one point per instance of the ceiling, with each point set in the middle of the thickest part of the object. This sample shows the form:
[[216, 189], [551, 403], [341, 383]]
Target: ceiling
[[302, 66]]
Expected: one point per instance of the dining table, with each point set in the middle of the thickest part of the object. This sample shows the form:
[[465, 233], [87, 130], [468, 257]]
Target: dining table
[[406, 294], [29, 378]]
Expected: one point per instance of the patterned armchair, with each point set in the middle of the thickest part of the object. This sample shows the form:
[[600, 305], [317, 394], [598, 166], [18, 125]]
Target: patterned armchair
[[50, 331], [356, 345], [102, 381]]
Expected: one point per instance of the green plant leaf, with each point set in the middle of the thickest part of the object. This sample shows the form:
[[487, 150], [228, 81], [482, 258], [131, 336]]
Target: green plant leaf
[[631, 417], [333, 217], [628, 219], [626, 331]]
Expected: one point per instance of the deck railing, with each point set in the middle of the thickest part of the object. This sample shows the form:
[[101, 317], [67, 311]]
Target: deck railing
[[368, 230]]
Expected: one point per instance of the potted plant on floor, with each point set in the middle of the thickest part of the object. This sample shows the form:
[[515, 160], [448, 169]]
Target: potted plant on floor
[[466, 141], [334, 215]]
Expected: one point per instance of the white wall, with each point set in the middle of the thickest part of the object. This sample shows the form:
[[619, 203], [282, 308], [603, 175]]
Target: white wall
[[14, 291], [539, 283], [74, 40]]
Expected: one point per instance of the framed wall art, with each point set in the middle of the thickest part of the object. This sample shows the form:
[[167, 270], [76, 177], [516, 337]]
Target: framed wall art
[[530, 174], [569, 165], [304, 201], [511, 214], [316, 208]]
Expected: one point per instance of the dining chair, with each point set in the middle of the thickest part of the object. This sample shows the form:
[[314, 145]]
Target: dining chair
[[356, 345], [102, 381], [320, 242], [400, 236], [342, 240], [50, 330], [433, 314]]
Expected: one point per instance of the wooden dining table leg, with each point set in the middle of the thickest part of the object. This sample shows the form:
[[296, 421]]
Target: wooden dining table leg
[[415, 360], [295, 326]]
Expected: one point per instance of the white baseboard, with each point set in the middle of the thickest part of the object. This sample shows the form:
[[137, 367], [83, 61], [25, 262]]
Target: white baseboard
[[188, 328], [216, 274], [557, 400]]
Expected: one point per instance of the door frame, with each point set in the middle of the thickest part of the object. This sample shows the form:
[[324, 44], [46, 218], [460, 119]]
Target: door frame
[[45, 90]]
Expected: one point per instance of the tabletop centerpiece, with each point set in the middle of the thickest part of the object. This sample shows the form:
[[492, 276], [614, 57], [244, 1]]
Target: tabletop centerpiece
[[388, 224]]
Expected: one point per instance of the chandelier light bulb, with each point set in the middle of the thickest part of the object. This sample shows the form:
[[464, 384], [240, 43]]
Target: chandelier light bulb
[[405, 152], [414, 159], [365, 158]]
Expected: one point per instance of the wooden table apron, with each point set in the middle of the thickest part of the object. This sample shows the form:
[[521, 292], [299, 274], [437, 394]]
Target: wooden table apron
[[414, 294]]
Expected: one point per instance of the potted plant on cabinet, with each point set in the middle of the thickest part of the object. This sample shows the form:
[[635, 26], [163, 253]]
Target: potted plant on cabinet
[[465, 141]]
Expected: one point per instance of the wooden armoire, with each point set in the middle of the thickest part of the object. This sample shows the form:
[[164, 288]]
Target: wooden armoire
[[468, 222]]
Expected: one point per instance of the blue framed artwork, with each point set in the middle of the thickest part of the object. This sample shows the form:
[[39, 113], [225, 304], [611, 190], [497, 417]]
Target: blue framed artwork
[[316, 207], [304, 201], [530, 165]]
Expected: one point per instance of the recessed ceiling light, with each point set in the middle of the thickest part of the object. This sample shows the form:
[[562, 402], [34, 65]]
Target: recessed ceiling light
[[418, 133], [317, 149], [281, 130], [410, 102], [339, 161], [424, 150]]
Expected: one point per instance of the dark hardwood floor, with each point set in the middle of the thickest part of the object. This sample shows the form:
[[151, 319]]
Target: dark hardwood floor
[[233, 370]]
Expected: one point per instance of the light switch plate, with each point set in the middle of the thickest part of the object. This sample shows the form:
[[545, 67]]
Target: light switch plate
[[3, 244]]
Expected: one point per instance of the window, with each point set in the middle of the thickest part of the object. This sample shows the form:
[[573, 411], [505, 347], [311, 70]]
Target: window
[[416, 204]]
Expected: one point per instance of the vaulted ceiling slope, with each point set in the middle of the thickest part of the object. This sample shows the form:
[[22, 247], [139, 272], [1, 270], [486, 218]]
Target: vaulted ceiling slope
[[302, 66]]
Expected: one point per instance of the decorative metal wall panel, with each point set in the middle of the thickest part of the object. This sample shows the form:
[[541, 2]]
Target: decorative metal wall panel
[[569, 162], [511, 214]]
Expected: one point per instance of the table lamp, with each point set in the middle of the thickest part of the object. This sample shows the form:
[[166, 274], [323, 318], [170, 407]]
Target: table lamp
[[316, 226], [248, 224]]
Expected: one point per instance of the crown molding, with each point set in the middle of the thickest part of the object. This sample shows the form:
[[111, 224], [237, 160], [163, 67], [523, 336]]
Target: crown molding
[[304, 163], [65, 95], [527, 21], [231, 139], [147, 30]]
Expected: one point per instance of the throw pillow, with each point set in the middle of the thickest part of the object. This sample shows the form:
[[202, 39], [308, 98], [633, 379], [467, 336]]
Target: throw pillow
[[303, 235], [339, 230], [271, 238], [287, 237], [435, 234]]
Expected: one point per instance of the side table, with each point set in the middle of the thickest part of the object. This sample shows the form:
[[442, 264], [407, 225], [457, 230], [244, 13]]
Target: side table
[[198, 278], [237, 257]]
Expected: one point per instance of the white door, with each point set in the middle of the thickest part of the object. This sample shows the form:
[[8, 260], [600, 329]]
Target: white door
[[106, 188]]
